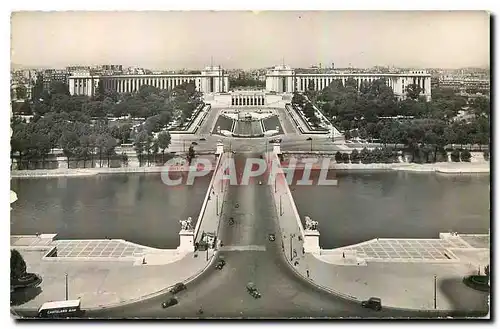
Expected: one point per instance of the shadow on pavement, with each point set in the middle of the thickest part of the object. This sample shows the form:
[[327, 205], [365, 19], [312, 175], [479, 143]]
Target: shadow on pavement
[[462, 298], [22, 296]]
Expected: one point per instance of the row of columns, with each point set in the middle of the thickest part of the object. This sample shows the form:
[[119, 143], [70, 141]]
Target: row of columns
[[88, 85], [248, 100], [398, 84], [122, 85]]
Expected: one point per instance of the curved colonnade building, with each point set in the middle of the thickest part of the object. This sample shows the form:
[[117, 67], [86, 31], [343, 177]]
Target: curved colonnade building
[[214, 80]]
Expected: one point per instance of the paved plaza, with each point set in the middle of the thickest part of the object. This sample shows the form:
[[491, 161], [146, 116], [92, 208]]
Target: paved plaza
[[112, 279], [408, 250]]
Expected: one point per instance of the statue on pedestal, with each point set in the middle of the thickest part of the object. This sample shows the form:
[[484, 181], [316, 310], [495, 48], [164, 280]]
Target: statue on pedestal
[[311, 224], [186, 224]]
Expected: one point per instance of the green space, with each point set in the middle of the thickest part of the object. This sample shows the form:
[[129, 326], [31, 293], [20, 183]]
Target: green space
[[425, 128], [87, 128]]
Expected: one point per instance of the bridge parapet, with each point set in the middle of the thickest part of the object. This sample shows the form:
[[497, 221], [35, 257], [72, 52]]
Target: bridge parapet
[[211, 209]]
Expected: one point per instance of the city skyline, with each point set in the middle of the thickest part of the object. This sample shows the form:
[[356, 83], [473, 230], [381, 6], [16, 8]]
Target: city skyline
[[251, 39]]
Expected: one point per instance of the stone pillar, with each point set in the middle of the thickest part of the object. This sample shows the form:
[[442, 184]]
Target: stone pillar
[[219, 149], [311, 242], [277, 148], [186, 241]]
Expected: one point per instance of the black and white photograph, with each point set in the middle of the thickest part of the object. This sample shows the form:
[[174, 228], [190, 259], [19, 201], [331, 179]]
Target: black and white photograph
[[273, 164]]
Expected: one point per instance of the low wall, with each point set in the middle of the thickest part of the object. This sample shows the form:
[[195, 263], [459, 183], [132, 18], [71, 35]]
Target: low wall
[[283, 199], [211, 208]]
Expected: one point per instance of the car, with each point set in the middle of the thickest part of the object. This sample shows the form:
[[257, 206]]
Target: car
[[374, 303], [220, 264], [272, 237], [203, 139], [170, 302], [252, 290], [178, 287]]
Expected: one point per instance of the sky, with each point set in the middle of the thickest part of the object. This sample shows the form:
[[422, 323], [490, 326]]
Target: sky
[[245, 39]]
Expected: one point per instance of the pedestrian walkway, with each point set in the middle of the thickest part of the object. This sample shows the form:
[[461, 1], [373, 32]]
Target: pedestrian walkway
[[402, 250], [102, 273], [243, 248], [404, 273], [93, 250]]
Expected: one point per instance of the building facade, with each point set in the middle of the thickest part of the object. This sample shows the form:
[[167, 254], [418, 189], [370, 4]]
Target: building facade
[[283, 79], [211, 80]]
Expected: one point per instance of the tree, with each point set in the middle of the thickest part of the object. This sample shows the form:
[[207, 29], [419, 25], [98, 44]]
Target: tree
[[21, 92], [345, 157], [465, 156], [140, 143], [17, 265], [58, 87], [163, 141], [37, 91], [455, 156], [69, 142], [191, 154], [338, 157], [413, 91], [354, 156], [100, 92]]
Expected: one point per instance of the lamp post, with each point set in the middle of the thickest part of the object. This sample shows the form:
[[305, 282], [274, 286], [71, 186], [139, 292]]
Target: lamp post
[[435, 291], [66, 280]]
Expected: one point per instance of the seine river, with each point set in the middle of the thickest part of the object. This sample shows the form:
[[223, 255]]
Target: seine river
[[141, 209]]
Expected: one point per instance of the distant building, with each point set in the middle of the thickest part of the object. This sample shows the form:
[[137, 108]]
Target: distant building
[[283, 79], [51, 75]]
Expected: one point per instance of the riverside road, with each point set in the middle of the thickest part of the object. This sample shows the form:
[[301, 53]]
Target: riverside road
[[250, 256]]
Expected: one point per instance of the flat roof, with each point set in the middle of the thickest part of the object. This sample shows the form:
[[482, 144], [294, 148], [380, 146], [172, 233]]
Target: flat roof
[[62, 303]]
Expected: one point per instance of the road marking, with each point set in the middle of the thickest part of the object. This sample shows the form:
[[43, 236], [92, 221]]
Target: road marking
[[243, 248]]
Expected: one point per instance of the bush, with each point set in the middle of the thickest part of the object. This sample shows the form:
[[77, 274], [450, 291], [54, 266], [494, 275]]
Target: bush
[[355, 156], [465, 156], [486, 155], [345, 157], [338, 157], [377, 155], [365, 156], [455, 156], [388, 155]]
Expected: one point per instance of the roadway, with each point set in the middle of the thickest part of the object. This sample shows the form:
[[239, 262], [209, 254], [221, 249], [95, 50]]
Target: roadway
[[222, 293]]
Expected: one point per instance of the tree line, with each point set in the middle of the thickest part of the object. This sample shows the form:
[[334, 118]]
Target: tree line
[[79, 125], [366, 112]]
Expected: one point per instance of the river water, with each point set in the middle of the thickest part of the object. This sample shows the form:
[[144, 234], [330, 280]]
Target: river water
[[392, 204], [141, 209], [136, 207]]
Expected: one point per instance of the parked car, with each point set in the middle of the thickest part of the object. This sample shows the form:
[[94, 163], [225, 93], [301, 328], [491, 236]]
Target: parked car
[[170, 302], [272, 237], [178, 287], [252, 290], [374, 303], [220, 264], [203, 139]]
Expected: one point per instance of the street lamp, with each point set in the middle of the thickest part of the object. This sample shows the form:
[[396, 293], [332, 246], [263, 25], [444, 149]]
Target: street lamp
[[435, 291], [310, 139], [66, 280]]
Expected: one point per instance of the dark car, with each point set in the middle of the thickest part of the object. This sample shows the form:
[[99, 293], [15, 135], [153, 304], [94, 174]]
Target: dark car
[[272, 237], [171, 302], [178, 288], [220, 264], [252, 290], [203, 139], [373, 302]]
